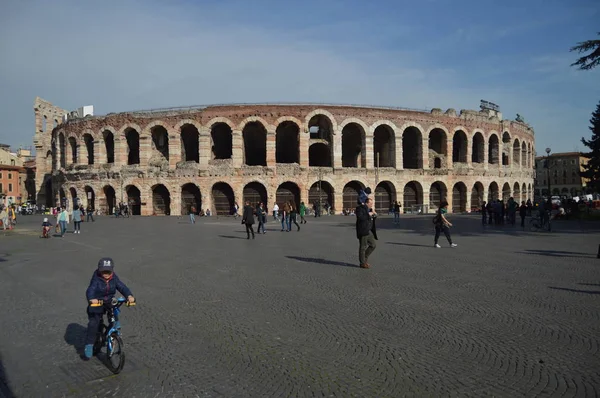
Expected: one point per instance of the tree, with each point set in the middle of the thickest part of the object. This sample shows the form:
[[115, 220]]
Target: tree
[[590, 60], [591, 171]]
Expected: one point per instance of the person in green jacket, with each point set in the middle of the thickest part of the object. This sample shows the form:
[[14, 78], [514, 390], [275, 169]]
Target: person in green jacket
[[302, 213]]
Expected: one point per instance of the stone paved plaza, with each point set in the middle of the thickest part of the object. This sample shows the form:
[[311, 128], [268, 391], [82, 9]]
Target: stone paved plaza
[[506, 313]]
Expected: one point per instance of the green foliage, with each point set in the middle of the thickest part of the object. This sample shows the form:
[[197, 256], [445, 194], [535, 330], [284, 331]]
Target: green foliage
[[591, 171], [590, 60]]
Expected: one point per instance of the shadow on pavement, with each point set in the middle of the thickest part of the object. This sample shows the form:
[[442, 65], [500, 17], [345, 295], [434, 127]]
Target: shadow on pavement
[[5, 390], [589, 284], [557, 253], [574, 290], [230, 237], [322, 261], [75, 336], [407, 244]]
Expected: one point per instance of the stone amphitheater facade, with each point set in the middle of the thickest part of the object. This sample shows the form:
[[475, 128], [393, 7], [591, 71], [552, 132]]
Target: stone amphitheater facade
[[161, 161]]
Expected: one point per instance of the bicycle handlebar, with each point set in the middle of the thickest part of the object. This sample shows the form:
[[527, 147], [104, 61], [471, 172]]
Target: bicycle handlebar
[[115, 302]]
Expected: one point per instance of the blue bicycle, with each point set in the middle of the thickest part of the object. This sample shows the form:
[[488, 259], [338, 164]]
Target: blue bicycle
[[110, 334]]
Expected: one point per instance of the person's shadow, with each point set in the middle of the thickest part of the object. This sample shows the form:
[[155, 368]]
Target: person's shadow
[[75, 336]]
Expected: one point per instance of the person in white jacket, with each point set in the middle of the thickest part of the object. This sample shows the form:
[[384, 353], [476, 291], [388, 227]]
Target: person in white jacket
[[62, 219]]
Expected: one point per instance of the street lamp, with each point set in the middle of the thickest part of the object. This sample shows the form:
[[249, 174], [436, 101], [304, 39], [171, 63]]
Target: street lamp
[[548, 150]]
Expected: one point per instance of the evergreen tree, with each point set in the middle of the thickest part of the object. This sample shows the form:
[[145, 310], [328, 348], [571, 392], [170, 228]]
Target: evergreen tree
[[590, 60], [591, 171]]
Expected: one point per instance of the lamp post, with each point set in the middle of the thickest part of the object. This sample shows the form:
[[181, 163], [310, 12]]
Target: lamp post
[[548, 150]]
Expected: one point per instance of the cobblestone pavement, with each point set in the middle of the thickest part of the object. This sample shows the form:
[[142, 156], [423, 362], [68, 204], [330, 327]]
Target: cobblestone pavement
[[506, 313]]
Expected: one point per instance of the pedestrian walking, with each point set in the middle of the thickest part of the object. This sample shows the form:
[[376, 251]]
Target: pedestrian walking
[[261, 214], [276, 212], [483, 213], [285, 217], [302, 213], [193, 214], [442, 225], [248, 219], [4, 218], [397, 207], [523, 213], [62, 219], [293, 215], [366, 231], [90, 213], [77, 221]]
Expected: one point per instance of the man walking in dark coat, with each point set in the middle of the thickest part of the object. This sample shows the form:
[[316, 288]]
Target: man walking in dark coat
[[366, 232], [248, 219]]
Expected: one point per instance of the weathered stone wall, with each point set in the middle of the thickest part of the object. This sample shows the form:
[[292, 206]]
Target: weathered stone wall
[[173, 172]]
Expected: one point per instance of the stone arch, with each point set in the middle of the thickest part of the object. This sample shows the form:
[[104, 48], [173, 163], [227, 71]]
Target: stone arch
[[460, 143], [437, 192], [506, 192], [384, 146], [160, 141], [255, 143], [323, 193], [74, 203], [385, 195], [493, 192], [319, 155], [477, 196], [505, 148], [493, 149], [506, 137], [132, 137], [287, 142], [353, 144], [287, 191], [190, 196], [478, 148], [516, 152], [324, 120], [412, 148], [350, 194], [73, 149], [255, 192], [109, 145], [438, 147], [108, 201], [161, 200], [62, 197], [90, 197], [459, 198], [62, 150], [516, 193], [223, 198], [221, 136], [189, 136], [413, 197], [255, 119], [134, 199], [88, 142], [524, 193], [524, 162]]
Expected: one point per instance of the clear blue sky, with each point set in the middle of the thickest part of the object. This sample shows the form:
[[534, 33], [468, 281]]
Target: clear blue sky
[[126, 55]]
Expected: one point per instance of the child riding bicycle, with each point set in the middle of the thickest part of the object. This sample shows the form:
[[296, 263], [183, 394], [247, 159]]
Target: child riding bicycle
[[103, 286], [46, 228]]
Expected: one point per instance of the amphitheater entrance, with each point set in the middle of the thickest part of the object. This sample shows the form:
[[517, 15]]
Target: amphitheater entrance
[[477, 153], [384, 146], [412, 148], [190, 196], [223, 199], [493, 192], [109, 146], [459, 198], [74, 201], [190, 143], [91, 198], [255, 144], [350, 194], [477, 196], [319, 155], [413, 198], [48, 193], [437, 193], [505, 192], [107, 203], [385, 194], [287, 144], [133, 146], [288, 191], [161, 200], [353, 148], [255, 192], [322, 194], [160, 141], [134, 200], [222, 141]]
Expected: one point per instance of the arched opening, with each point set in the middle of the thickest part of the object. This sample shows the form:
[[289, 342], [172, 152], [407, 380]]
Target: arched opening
[[353, 148], [517, 152], [161, 200], [288, 191], [190, 196], [44, 123], [54, 152], [222, 144], [350, 194], [190, 144], [413, 197], [459, 147], [493, 150], [223, 199], [529, 191], [88, 140], [319, 155], [516, 194], [134, 200], [73, 148], [109, 145], [385, 195], [384, 145], [493, 192], [320, 128], [255, 192], [62, 197], [506, 148], [524, 192], [133, 146], [109, 201], [477, 156], [49, 161], [63, 150], [160, 141], [477, 196], [49, 193], [459, 198], [322, 194], [524, 155], [438, 148], [412, 148], [255, 144], [90, 196], [505, 192], [437, 193], [74, 201], [287, 143]]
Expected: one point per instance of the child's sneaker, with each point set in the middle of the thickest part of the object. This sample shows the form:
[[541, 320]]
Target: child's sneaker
[[453, 245], [89, 350], [437, 246]]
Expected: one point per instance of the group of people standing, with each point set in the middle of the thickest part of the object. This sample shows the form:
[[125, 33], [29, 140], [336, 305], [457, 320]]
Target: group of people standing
[[289, 214]]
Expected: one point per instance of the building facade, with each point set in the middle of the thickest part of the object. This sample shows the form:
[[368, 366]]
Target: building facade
[[162, 161], [10, 184], [563, 174]]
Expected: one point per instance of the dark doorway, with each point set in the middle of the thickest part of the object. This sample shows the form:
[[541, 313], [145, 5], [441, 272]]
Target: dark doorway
[[287, 144], [109, 199], [161, 200], [319, 155], [133, 146], [89, 145], [160, 141], [91, 198], [478, 148], [353, 150], [459, 198], [109, 144], [221, 137], [384, 197], [413, 197], [384, 154], [134, 200], [190, 196], [412, 148], [255, 192], [223, 199], [350, 194], [255, 144], [49, 193], [437, 193], [190, 143], [288, 191]]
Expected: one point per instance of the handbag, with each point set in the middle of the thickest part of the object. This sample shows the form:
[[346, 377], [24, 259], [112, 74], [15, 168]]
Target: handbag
[[57, 228]]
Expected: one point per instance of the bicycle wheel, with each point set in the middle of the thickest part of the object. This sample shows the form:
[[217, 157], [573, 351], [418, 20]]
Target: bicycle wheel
[[115, 356]]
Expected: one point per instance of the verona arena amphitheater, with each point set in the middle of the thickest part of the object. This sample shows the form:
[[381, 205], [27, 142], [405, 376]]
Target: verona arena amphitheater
[[161, 161]]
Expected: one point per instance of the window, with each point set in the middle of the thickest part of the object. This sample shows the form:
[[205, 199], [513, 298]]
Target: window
[[573, 161], [12, 162], [9, 176], [0, 175], [544, 183], [9, 187], [1, 190]]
